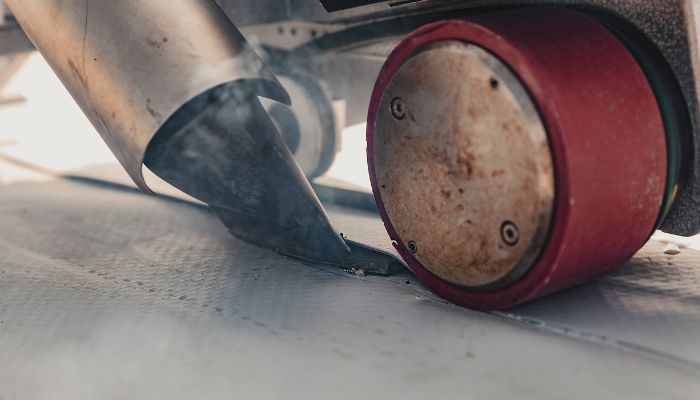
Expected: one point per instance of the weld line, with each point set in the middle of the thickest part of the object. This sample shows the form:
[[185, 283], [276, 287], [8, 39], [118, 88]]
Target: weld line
[[596, 338]]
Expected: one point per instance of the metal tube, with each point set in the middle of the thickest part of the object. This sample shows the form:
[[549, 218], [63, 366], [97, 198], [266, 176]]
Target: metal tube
[[131, 64]]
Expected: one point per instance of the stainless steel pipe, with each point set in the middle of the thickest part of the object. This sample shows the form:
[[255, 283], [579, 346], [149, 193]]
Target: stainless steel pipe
[[131, 64]]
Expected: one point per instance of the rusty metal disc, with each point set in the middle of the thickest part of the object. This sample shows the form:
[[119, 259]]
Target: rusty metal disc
[[463, 165], [606, 143]]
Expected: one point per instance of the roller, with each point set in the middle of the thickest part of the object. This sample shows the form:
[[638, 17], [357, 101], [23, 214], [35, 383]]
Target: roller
[[516, 153]]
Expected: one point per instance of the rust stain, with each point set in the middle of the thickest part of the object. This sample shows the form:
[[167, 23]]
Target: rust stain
[[465, 163], [452, 166], [157, 44], [473, 112], [153, 43]]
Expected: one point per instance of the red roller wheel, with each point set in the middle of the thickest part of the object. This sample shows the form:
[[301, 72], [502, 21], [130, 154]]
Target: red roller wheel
[[515, 154]]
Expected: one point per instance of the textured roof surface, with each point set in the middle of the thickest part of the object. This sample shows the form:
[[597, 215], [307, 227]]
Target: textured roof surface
[[113, 294]]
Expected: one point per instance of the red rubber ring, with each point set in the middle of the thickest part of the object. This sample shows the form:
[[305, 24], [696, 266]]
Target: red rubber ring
[[605, 131]]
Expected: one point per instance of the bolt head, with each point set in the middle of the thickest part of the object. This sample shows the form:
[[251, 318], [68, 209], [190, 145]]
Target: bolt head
[[510, 233], [398, 108]]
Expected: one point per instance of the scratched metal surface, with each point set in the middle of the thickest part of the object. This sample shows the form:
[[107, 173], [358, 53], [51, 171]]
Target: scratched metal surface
[[111, 294]]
